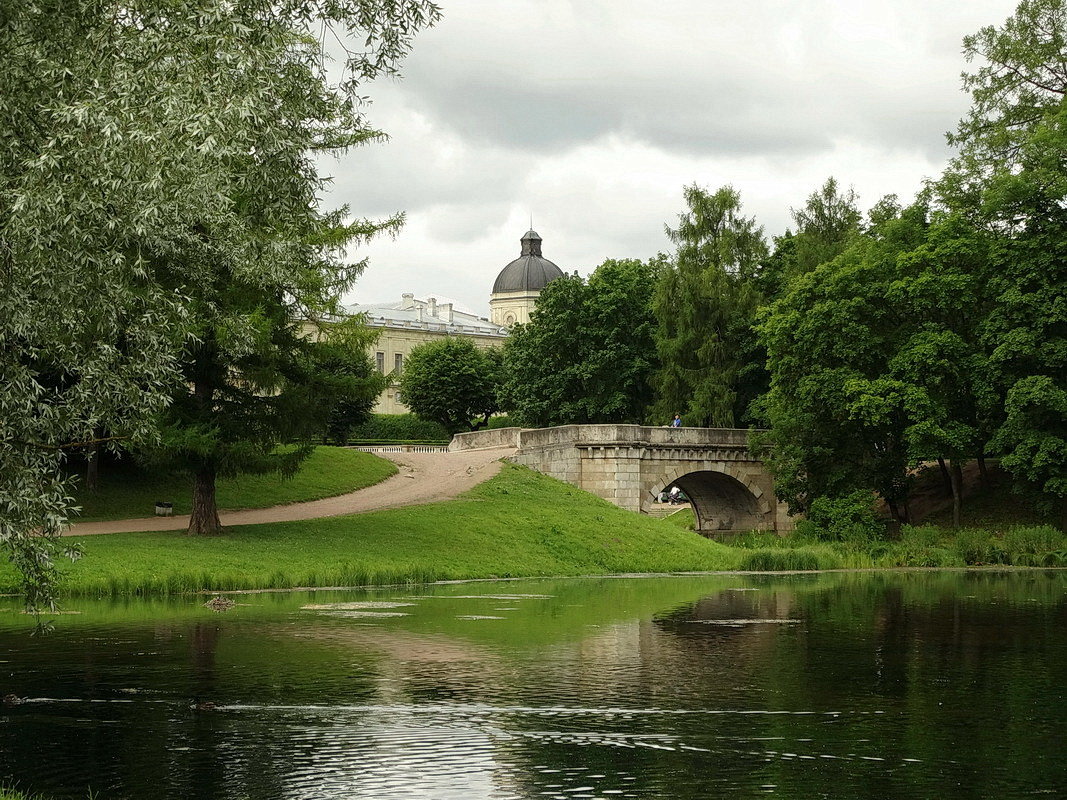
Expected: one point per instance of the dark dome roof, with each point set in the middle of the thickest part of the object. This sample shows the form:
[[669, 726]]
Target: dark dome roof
[[530, 271]]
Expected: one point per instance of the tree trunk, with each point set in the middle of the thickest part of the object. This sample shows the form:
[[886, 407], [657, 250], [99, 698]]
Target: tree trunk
[[1063, 514], [907, 511], [982, 471], [894, 509], [204, 521], [956, 476], [944, 475], [92, 470]]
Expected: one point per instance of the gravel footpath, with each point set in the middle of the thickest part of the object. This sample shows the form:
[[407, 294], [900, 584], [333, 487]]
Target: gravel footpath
[[423, 478]]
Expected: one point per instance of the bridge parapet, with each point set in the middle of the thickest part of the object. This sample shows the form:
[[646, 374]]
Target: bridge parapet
[[480, 440], [606, 434]]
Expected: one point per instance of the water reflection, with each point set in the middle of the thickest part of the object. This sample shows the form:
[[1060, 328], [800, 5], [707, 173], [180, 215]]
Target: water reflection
[[889, 685]]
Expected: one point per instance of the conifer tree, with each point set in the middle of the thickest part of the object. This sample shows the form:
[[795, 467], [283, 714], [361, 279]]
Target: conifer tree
[[705, 304]]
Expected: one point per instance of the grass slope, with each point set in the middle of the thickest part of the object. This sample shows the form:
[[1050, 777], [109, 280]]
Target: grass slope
[[129, 492], [519, 523]]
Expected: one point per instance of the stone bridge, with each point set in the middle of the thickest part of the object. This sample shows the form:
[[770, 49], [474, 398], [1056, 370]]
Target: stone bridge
[[629, 465]]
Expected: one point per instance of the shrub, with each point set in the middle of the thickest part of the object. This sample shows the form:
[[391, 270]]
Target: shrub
[[921, 535], [399, 428], [759, 540], [974, 546], [1032, 541], [842, 519], [503, 421], [778, 560], [914, 554]]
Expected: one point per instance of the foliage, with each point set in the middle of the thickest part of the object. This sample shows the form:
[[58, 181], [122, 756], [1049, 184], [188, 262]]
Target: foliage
[[588, 353], [787, 560], [452, 382], [834, 430], [876, 360], [1022, 81], [825, 226], [399, 428], [851, 518], [1009, 180], [173, 153], [130, 491], [705, 304], [346, 382]]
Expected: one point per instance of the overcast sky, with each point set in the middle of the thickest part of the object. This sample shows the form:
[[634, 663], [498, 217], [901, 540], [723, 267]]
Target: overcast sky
[[591, 115]]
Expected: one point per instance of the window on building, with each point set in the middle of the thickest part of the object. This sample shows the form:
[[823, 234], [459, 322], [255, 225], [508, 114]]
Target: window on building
[[380, 360], [398, 363]]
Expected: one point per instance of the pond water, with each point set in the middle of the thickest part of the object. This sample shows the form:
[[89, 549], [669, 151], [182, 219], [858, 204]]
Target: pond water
[[845, 685]]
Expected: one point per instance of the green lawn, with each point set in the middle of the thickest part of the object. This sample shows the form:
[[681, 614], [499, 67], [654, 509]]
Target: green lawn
[[519, 523], [131, 492]]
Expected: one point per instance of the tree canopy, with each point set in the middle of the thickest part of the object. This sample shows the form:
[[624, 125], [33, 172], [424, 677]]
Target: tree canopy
[[588, 354], [452, 381], [705, 302], [153, 152]]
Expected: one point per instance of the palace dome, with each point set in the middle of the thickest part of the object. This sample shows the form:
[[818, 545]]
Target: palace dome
[[530, 272]]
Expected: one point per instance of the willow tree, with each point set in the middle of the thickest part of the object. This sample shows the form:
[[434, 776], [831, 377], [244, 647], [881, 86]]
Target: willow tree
[[705, 304], [154, 155]]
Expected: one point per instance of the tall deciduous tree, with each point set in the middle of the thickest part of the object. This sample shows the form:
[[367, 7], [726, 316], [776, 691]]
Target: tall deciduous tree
[[452, 381], [1009, 180], [705, 304], [876, 363], [588, 354], [149, 149]]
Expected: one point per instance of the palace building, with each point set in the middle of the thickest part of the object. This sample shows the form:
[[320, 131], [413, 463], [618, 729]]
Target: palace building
[[412, 321]]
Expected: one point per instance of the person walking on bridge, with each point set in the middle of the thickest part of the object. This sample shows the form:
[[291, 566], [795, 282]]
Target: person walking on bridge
[[677, 421]]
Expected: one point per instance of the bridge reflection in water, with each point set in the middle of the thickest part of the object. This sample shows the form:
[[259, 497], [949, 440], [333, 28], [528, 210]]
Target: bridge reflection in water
[[630, 465]]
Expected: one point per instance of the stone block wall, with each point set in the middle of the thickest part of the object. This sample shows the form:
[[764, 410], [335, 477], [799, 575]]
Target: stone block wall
[[479, 440]]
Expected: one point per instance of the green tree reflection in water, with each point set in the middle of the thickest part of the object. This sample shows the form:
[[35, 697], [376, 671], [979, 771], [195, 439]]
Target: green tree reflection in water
[[890, 685]]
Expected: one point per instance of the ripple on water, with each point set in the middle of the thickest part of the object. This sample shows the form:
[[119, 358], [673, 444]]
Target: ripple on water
[[480, 597], [735, 623], [354, 605]]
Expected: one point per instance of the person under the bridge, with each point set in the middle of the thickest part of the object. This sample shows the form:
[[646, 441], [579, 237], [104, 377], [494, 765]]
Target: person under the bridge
[[677, 421]]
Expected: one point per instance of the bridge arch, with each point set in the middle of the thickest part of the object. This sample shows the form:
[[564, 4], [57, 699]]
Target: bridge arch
[[724, 497]]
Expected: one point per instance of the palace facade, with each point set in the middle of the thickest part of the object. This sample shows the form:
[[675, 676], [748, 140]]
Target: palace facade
[[413, 321]]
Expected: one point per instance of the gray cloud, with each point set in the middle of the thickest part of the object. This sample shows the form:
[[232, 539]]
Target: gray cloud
[[592, 115], [787, 77]]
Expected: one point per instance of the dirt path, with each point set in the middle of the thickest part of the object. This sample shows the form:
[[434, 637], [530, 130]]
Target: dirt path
[[423, 478]]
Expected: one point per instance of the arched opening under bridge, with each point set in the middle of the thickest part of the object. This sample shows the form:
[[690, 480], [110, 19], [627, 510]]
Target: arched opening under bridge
[[722, 502]]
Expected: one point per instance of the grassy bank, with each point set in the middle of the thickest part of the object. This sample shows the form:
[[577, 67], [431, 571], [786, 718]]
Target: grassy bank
[[925, 546], [517, 524], [128, 491], [999, 530], [13, 794]]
